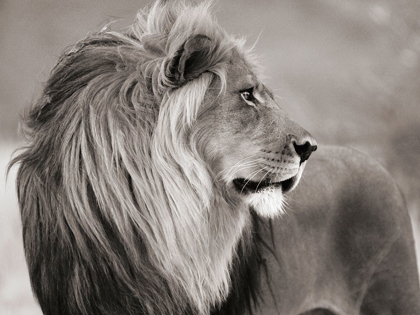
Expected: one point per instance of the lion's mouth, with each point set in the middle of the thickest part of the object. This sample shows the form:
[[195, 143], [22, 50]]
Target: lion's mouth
[[246, 186]]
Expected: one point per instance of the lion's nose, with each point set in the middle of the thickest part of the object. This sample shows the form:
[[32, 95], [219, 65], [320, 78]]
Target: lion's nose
[[305, 148]]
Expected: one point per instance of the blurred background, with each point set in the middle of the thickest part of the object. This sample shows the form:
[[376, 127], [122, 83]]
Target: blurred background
[[346, 70]]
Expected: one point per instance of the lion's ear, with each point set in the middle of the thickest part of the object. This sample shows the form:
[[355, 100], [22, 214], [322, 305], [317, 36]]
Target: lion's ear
[[191, 60]]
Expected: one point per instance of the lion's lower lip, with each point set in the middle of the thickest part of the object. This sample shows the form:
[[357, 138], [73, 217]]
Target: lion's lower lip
[[288, 184], [245, 186]]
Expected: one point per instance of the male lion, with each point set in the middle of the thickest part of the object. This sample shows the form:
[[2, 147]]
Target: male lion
[[156, 165]]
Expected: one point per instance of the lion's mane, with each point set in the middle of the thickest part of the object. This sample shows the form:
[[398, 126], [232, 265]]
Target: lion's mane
[[120, 213]]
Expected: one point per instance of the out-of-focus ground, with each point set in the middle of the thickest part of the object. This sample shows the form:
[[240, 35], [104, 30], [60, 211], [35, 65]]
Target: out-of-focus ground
[[347, 70]]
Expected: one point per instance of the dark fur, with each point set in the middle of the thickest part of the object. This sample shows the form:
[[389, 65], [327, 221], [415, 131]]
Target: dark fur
[[61, 262]]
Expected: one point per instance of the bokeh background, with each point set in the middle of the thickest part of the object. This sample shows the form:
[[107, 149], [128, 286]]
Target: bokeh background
[[347, 70]]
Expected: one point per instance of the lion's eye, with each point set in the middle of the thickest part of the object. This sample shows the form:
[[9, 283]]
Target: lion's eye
[[248, 96]]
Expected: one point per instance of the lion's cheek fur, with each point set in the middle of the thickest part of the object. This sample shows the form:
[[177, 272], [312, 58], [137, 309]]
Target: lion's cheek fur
[[204, 226]]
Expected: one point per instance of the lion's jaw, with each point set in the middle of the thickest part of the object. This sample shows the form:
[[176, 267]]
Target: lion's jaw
[[270, 201]]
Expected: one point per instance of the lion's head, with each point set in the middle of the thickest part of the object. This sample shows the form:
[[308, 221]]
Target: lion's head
[[148, 148]]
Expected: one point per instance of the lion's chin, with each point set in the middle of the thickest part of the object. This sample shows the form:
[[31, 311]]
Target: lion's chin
[[266, 198], [266, 203]]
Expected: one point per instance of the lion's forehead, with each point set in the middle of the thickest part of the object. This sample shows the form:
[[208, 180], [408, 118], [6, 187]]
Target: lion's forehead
[[241, 75]]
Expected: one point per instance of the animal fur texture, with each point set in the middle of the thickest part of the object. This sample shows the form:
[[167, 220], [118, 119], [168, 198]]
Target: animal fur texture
[[155, 160], [121, 213]]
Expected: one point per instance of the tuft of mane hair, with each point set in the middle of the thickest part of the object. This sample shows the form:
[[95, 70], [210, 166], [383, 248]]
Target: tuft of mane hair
[[120, 212]]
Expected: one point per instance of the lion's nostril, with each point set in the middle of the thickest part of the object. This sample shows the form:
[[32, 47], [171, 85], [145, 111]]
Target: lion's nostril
[[301, 150], [304, 150]]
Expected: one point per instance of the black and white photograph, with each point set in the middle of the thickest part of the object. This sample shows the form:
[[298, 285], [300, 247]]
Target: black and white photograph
[[210, 157]]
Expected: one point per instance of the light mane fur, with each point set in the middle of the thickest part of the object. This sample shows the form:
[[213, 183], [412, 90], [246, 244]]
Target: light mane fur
[[117, 181]]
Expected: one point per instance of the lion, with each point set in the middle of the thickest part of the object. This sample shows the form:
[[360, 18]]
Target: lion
[[158, 179]]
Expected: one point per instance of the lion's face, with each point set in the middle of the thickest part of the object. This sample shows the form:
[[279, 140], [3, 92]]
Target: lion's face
[[255, 150]]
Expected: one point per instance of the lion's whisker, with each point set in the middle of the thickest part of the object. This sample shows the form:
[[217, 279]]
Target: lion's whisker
[[240, 168], [238, 163], [249, 179], [262, 178]]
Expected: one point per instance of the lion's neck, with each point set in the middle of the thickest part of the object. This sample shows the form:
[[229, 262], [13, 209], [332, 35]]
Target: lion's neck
[[248, 269], [228, 223]]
